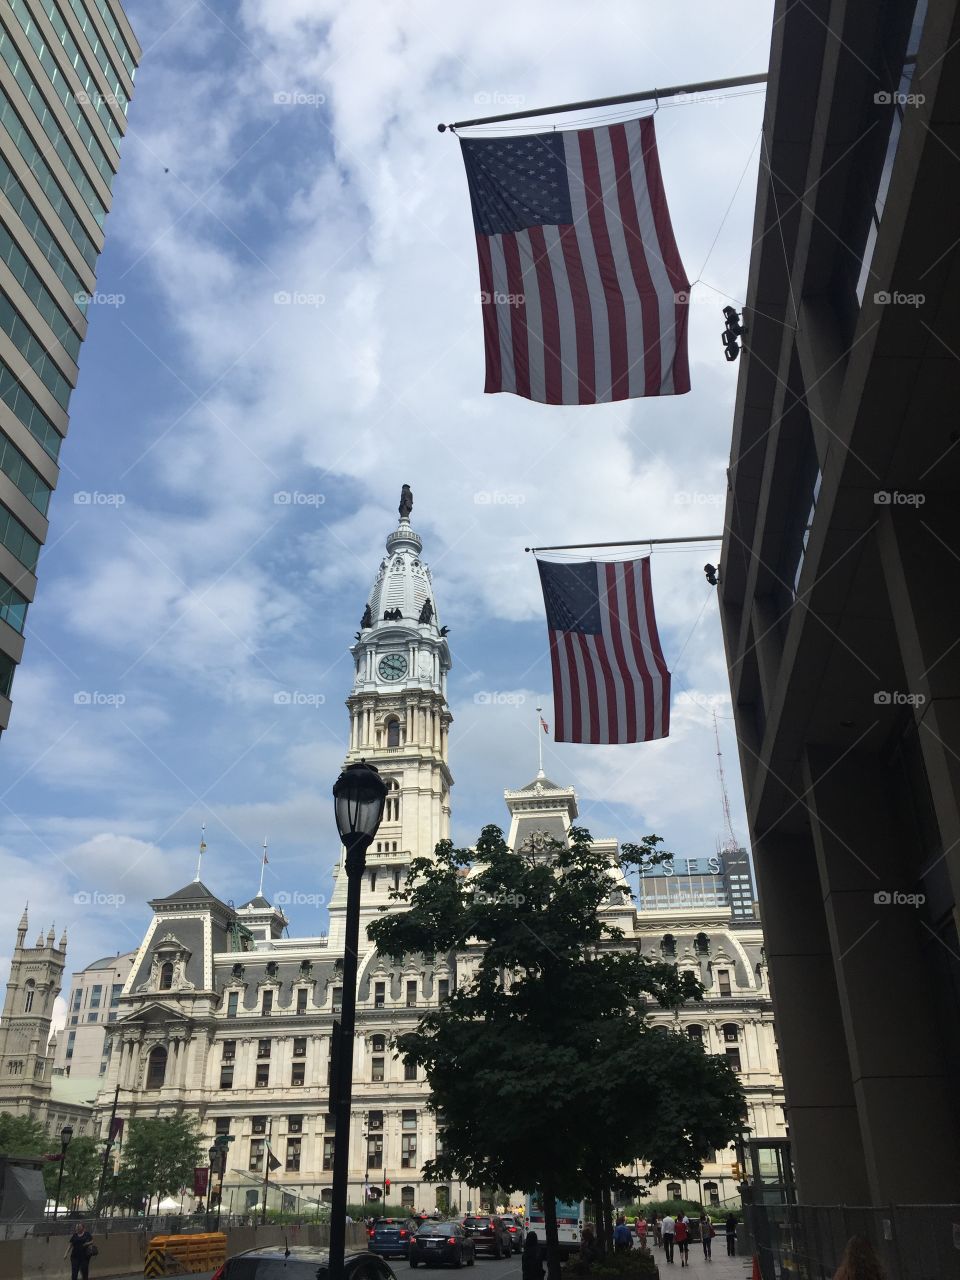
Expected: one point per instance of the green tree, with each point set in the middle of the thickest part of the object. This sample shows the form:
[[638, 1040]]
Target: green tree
[[81, 1170], [545, 1069], [159, 1156], [22, 1136]]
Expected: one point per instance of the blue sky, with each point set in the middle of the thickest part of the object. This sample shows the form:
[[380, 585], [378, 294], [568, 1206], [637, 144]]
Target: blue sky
[[289, 148]]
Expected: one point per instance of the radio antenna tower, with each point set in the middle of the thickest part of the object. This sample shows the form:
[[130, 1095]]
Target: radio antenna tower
[[730, 844]]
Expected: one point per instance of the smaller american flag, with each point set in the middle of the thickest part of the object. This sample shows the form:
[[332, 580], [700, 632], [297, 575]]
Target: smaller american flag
[[610, 680]]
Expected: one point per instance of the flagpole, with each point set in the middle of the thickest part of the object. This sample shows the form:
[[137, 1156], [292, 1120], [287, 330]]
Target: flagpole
[[203, 845], [631, 542], [645, 95], [263, 863], [540, 739]]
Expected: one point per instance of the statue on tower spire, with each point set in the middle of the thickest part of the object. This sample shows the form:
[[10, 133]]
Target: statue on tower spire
[[406, 502]]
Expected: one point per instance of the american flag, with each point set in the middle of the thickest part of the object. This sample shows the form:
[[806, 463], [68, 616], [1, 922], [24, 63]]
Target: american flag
[[583, 293], [610, 681]]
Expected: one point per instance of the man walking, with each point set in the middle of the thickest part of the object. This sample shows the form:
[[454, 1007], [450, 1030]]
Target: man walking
[[706, 1235], [667, 1229]]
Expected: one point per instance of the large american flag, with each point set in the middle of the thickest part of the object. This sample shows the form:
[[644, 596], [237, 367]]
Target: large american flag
[[610, 681], [583, 293]]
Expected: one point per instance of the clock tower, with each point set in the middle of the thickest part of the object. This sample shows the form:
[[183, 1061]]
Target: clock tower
[[399, 717]]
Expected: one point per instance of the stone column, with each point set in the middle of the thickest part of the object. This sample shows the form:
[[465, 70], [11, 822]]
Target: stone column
[[904, 1094], [820, 1104]]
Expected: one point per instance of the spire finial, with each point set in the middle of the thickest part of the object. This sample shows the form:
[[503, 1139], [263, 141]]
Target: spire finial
[[203, 845], [406, 502], [541, 725]]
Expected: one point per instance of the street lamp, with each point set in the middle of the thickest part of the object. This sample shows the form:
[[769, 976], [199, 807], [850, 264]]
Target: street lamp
[[359, 795], [66, 1133]]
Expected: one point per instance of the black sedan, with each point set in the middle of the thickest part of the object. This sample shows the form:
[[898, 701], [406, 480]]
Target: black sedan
[[300, 1262], [489, 1234], [438, 1242], [390, 1237]]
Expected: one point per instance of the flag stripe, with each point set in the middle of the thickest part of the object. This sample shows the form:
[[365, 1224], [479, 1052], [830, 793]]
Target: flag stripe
[[595, 192], [533, 312], [587, 256], [626, 706], [550, 318], [508, 378], [566, 316], [513, 307], [586, 365], [491, 327]]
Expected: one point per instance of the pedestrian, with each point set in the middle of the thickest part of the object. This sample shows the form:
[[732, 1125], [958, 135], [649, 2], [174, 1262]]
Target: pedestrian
[[707, 1232], [859, 1262], [657, 1226], [81, 1249], [642, 1232], [681, 1233], [588, 1243], [622, 1236], [668, 1227], [730, 1223], [531, 1267]]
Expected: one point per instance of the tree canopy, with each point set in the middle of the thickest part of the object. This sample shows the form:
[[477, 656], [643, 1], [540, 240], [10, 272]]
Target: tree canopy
[[545, 1068], [159, 1157]]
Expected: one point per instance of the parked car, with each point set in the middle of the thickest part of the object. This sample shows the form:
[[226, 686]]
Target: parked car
[[438, 1242], [300, 1262], [489, 1234], [515, 1227], [390, 1237]]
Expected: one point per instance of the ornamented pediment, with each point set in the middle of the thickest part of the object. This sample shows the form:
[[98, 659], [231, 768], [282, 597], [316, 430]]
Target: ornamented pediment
[[168, 967]]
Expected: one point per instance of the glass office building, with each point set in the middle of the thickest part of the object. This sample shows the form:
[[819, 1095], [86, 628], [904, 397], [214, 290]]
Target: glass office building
[[66, 76]]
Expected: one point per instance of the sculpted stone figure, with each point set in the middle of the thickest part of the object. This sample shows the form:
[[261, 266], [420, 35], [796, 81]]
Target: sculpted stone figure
[[406, 502]]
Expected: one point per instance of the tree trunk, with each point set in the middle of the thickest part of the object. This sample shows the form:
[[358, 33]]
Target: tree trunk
[[550, 1229], [598, 1219], [608, 1218]]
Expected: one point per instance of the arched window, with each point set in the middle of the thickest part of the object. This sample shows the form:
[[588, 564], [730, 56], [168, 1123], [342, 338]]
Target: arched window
[[326, 1194], [166, 975], [391, 810], [28, 995], [712, 1192], [668, 945], [731, 1032], [406, 1197], [673, 1190], [443, 1199], [393, 732], [156, 1067], [695, 1032], [701, 944]]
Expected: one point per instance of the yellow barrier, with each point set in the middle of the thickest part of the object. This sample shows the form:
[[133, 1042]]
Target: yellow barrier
[[185, 1254]]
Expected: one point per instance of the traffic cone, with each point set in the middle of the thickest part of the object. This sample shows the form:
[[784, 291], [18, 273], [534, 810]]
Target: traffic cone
[[756, 1268]]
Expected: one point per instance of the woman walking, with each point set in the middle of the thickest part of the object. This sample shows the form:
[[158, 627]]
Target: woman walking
[[81, 1249], [707, 1233], [731, 1228]]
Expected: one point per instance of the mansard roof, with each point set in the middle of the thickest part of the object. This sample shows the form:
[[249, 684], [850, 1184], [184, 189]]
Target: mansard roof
[[194, 892]]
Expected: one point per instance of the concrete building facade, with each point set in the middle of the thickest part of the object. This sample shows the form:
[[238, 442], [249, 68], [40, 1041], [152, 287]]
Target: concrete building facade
[[93, 1003], [66, 76], [839, 571]]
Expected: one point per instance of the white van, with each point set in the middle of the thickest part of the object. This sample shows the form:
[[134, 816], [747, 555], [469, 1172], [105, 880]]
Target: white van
[[570, 1220]]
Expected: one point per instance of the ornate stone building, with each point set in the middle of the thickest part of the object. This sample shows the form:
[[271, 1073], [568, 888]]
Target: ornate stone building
[[224, 1017]]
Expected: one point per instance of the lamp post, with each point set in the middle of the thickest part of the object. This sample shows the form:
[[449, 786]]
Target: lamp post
[[359, 795], [66, 1133]]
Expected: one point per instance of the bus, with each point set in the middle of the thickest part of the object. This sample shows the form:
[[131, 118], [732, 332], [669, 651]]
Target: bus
[[570, 1220]]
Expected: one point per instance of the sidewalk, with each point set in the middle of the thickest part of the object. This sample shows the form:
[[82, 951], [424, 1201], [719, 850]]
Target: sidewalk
[[721, 1268]]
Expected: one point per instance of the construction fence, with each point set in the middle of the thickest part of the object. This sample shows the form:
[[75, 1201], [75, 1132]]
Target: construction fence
[[806, 1242]]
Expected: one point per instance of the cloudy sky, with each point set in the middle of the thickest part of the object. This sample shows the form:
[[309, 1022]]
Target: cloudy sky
[[287, 306]]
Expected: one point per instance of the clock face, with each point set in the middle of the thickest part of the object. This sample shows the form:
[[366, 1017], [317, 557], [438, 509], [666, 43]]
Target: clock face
[[393, 666]]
